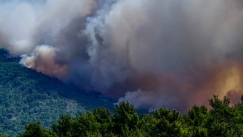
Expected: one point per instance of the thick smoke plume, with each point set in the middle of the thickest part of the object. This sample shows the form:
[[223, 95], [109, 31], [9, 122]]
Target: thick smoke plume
[[152, 53]]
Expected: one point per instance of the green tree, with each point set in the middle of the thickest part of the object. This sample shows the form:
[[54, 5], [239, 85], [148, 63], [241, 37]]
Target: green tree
[[222, 122], [36, 130], [85, 124], [197, 118], [168, 124], [64, 127], [125, 118], [104, 118]]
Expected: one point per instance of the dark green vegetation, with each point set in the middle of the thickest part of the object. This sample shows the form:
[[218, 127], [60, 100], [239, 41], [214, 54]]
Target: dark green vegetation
[[220, 121], [28, 96]]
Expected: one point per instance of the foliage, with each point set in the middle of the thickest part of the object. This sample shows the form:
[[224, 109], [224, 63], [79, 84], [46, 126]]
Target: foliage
[[28, 96], [220, 121]]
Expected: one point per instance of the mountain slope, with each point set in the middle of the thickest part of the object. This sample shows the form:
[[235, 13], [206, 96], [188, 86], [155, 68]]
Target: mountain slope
[[28, 96]]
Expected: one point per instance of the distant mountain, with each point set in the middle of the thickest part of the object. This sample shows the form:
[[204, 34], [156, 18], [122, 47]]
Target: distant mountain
[[28, 96]]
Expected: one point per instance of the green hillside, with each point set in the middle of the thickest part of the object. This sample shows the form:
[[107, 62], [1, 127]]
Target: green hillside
[[28, 96]]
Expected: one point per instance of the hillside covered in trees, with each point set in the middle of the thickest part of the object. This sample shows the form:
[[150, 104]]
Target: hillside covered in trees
[[28, 96], [221, 120]]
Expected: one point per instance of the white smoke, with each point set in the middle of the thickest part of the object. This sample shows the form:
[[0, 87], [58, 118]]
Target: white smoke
[[24, 25], [166, 49]]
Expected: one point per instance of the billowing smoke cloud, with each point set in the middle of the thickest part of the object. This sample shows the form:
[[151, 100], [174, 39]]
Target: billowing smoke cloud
[[152, 53]]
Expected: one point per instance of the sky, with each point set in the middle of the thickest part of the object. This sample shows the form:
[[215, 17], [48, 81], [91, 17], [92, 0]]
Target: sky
[[151, 53]]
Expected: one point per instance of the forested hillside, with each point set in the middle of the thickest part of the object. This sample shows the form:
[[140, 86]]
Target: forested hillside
[[220, 121], [28, 96]]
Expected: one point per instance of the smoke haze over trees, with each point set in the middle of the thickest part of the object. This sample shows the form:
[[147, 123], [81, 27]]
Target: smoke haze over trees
[[152, 53]]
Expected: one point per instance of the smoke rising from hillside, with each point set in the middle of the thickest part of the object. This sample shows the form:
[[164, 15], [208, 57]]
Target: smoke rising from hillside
[[152, 53]]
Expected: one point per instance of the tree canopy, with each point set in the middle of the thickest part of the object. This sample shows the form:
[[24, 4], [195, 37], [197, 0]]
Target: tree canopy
[[222, 120]]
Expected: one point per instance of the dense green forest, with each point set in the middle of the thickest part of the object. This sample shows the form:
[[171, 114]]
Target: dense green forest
[[221, 120], [28, 96]]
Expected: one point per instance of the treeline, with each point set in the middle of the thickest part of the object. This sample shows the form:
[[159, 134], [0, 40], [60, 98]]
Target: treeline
[[222, 120]]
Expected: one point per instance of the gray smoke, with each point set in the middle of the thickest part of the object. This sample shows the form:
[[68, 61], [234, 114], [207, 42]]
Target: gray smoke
[[152, 53]]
